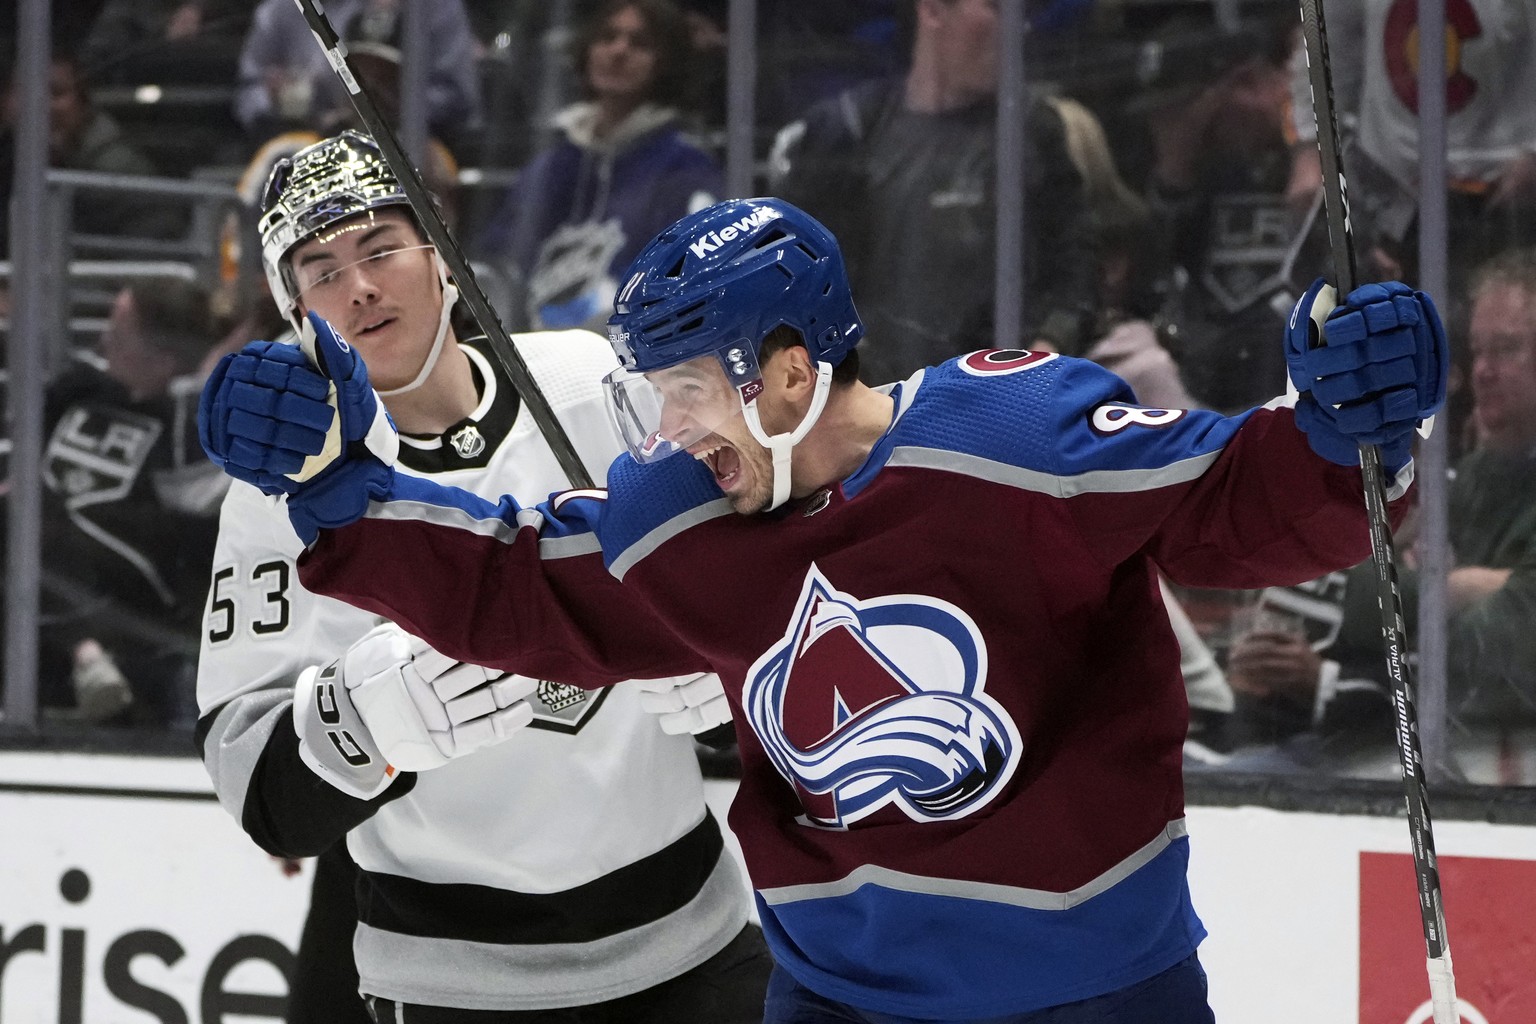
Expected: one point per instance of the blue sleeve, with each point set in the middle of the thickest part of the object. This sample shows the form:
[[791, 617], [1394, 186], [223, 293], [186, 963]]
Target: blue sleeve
[[1216, 501]]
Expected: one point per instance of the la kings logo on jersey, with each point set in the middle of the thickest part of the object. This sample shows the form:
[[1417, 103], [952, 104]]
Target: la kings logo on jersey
[[1254, 250], [561, 707], [95, 454]]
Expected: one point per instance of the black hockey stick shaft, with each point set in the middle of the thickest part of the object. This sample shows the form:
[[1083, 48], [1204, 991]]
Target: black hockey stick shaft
[[1388, 595], [438, 234]]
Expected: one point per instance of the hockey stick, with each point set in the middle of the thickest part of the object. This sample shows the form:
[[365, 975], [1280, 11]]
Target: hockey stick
[[1442, 982], [438, 234]]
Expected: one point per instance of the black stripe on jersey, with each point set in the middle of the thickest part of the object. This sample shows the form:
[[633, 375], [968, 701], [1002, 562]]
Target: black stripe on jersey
[[289, 810], [498, 422], [634, 895]]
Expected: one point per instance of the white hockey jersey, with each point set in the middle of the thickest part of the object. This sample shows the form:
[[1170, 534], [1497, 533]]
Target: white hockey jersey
[[573, 864], [1490, 83]]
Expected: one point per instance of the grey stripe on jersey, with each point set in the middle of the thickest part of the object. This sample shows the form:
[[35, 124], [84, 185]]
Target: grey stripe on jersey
[[1100, 481], [444, 515], [1031, 899], [486, 976], [234, 743]]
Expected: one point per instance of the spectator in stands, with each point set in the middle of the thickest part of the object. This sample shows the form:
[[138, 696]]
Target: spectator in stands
[[581, 211], [286, 83], [1127, 338], [1302, 693], [809, 52], [1490, 130], [84, 138], [131, 513], [1491, 590], [1214, 103], [903, 172], [161, 41]]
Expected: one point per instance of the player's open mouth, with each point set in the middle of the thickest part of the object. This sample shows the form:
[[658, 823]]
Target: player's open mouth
[[376, 325], [723, 461]]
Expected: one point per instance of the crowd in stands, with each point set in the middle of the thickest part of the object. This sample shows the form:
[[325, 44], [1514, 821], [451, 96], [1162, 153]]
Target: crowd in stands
[[1172, 214]]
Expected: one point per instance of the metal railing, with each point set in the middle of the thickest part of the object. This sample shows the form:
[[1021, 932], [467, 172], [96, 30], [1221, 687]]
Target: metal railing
[[68, 275]]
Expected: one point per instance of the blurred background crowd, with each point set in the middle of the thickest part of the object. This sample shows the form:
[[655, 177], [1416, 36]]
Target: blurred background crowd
[[1168, 194]]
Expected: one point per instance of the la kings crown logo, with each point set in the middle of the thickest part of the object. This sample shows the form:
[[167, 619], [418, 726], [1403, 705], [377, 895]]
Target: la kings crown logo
[[559, 696], [560, 707]]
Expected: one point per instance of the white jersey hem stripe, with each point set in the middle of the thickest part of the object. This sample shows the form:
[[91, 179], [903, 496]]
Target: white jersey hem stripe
[[1030, 899]]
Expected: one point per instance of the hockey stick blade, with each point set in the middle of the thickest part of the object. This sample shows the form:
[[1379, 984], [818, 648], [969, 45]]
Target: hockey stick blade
[[438, 234], [1442, 982]]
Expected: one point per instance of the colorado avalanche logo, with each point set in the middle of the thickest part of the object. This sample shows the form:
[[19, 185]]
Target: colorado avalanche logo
[[865, 704]]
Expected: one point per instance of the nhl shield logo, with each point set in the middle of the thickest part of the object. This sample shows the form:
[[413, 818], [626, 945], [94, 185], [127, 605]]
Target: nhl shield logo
[[868, 704], [467, 441]]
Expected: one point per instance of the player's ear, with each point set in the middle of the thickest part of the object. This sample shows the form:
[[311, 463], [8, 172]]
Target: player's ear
[[791, 369]]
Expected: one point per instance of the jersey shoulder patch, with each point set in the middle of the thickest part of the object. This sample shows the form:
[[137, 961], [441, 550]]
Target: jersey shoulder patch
[[994, 362]]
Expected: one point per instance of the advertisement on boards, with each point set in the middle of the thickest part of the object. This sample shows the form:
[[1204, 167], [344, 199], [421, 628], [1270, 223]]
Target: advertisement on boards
[[127, 894], [1490, 910]]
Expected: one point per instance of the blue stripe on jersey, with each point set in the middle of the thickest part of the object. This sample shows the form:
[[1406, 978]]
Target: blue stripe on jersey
[[1064, 417], [650, 495], [952, 958], [669, 489]]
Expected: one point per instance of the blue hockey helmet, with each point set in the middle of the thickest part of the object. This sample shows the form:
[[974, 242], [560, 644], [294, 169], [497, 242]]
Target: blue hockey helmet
[[690, 320], [733, 272]]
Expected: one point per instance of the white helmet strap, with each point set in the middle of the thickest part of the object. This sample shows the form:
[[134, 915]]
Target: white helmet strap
[[781, 446], [450, 297]]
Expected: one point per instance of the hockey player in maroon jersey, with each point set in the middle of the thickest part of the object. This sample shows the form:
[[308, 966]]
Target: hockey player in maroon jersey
[[934, 604]]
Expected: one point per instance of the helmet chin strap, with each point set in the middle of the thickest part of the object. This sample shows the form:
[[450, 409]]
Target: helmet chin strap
[[450, 296], [781, 446]]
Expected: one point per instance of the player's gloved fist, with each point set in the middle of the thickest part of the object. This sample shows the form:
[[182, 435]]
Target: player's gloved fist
[[1369, 371], [303, 422], [686, 704], [334, 741], [423, 708], [263, 411]]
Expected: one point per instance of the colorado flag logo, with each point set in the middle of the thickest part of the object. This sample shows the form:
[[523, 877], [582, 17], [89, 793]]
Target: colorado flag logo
[[865, 704]]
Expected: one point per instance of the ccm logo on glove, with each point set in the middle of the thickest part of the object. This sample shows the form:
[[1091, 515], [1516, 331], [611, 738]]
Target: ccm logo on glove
[[330, 715]]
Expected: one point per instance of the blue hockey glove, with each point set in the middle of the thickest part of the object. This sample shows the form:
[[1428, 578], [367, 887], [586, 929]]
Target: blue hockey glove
[[1380, 371], [301, 421], [262, 411]]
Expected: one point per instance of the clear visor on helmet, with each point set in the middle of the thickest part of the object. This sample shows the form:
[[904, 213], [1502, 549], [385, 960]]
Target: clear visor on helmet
[[319, 278], [666, 411]]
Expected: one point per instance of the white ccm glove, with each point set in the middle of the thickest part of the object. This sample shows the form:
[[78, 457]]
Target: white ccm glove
[[686, 704], [392, 703]]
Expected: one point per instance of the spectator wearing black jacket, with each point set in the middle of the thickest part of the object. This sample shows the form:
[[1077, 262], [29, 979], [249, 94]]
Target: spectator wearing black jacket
[[1235, 255], [130, 514], [904, 172]]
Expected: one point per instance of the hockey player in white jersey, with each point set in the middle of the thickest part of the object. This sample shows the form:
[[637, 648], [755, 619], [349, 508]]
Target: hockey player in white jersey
[[574, 865]]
